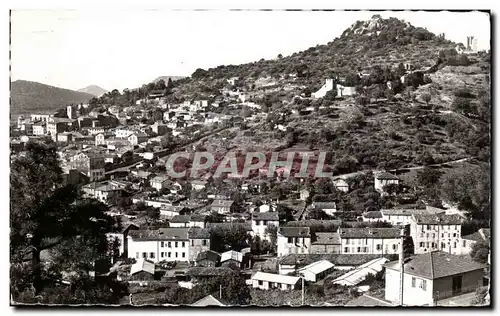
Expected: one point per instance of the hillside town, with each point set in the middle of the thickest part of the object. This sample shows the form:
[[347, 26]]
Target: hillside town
[[273, 236]]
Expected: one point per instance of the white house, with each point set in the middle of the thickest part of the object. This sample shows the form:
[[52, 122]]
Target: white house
[[343, 91], [431, 277], [316, 270], [369, 240], [159, 182], [293, 240], [267, 281], [261, 221], [169, 244], [324, 89], [123, 132], [399, 216], [384, 178], [436, 232]]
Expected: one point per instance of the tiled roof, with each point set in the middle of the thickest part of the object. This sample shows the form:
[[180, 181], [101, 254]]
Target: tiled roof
[[386, 176], [180, 219], [266, 216], [327, 239], [208, 301], [199, 233], [367, 301], [408, 212], [208, 255], [170, 233], [222, 203], [142, 265], [314, 222], [373, 214], [173, 233], [437, 264], [438, 219], [337, 259], [294, 231], [482, 235], [370, 232]]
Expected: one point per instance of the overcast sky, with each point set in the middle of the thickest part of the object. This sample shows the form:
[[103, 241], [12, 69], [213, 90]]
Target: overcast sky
[[125, 49]]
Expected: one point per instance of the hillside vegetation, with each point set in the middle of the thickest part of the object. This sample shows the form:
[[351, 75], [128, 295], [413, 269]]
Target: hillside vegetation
[[28, 96]]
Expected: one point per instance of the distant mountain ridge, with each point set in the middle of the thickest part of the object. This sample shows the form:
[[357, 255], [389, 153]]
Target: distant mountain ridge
[[29, 96], [94, 90]]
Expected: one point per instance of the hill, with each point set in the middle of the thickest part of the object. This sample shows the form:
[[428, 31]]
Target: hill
[[29, 96], [166, 78], [94, 90]]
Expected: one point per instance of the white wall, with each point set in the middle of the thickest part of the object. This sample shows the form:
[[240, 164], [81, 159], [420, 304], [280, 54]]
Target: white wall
[[284, 248], [369, 245], [411, 295]]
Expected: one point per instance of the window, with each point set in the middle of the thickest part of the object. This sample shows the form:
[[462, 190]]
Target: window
[[183, 255], [137, 255], [394, 247], [169, 244], [442, 235], [264, 223], [422, 244], [413, 282], [162, 254], [433, 235], [204, 242], [144, 255], [152, 255], [257, 223], [162, 244], [176, 254], [423, 284], [443, 245], [427, 235], [192, 242], [428, 227], [346, 250], [379, 247], [169, 254], [176, 244], [454, 245], [290, 240], [449, 235], [183, 244], [260, 282], [427, 244], [454, 234], [347, 241], [359, 249], [464, 244]]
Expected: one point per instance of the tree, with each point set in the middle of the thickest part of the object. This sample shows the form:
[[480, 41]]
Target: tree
[[428, 177], [464, 106], [480, 252], [44, 213], [426, 97]]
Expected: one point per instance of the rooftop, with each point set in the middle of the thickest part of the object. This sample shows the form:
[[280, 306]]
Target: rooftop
[[294, 231], [368, 301], [437, 264], [386, 176], [408, 212], [438, 219], [142, 265], [318, 266], [266, 216], [337, 259], [208, 300], [373, 214], [327, 239], [277, 278], [231, 255]]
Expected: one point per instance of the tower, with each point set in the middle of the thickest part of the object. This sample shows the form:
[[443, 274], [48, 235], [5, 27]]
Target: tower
[[69, 111]]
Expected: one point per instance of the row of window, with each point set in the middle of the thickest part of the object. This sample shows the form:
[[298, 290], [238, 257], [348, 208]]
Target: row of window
[[168, 244], [434, 235], [295, 240], [162, 255], [366, 249], [443, 227], [262, 222], [434, 244]]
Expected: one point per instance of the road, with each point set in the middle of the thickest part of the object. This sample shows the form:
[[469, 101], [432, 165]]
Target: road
[[352, 174], [127, 168]]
